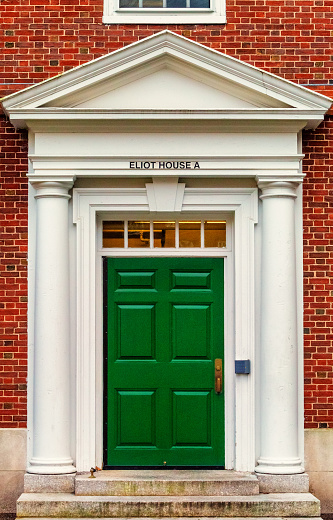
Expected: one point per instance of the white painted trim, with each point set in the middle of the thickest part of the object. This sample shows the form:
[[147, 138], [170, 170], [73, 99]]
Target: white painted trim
[[87, 204], [201, 16], [27, 117], [241, 165], [165, 194], [300, 329], [31, 318]]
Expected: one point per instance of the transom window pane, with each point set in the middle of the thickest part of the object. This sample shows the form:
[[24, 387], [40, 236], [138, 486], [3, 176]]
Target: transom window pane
[[215, 233], [164, 234], [190, 234], [168, 234], [113, 233], [138, 233]]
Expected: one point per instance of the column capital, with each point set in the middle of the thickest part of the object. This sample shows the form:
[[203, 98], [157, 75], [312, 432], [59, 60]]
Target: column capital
[[50, 188], [277, 188]]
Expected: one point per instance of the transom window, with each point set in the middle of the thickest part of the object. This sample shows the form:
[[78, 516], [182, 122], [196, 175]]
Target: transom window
[[164, 234]]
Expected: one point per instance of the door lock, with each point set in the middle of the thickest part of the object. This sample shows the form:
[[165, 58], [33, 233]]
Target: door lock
[[218, 376]]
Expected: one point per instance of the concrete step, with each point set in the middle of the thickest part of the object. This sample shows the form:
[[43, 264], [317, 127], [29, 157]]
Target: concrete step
[[64, 505], [171, 482], [184, 518]]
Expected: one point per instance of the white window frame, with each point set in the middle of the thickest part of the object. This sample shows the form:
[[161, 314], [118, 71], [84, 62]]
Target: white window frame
[[90, 206], [172, 218], [113, 14]]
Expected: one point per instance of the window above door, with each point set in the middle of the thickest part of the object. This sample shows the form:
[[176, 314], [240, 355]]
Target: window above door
[[196, 233], [164, 11]]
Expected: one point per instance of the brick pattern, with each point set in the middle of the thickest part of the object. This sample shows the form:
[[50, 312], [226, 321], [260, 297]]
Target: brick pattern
[[13, 276], [318, 283], [290, 38]]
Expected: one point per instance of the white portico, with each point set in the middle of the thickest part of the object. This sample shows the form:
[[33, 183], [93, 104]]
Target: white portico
[[166, 127]]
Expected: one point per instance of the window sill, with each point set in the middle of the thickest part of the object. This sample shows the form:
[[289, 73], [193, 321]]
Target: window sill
[[198, 16]]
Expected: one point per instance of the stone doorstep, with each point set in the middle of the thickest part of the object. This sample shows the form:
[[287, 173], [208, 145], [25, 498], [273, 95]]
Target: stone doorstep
[[183, 518], [167, 483], [58, 505], [162, 482]]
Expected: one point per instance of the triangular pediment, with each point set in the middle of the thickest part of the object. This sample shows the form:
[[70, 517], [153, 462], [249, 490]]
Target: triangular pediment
[[167, 74], [167, 84]]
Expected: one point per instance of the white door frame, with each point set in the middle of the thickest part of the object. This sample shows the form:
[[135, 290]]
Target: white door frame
[[88, 203]]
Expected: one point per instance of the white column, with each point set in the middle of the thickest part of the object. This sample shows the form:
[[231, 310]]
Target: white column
[[51, 399], [278, 368]]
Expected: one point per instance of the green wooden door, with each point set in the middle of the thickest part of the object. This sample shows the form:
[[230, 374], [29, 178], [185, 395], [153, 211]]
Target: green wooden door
[[163, 330]]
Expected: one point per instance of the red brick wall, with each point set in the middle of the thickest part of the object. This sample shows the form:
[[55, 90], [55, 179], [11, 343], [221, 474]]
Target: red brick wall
[[290, 38], [13, 276], [318, 281]]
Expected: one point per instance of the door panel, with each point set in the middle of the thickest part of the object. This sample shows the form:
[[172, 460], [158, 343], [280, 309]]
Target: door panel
[[190, 327], [196, 405], [164, 329], [135, 331], [131, 431]]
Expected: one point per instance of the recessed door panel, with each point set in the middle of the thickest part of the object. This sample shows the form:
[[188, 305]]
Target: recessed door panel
[[188, 280], [131, 431], [191, 326], [136, 280], [192, 418], [136, 331], [163, 332]]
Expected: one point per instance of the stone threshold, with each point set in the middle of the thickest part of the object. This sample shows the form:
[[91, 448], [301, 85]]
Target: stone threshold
[[146, 482], [64, 505]]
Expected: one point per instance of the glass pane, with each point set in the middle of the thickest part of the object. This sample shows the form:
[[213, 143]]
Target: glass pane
[[164, 234], [176, 3], [138, 233], [113, 233], [200, 3], [128, 3], [215, 233], [189, 234], [152, 3]]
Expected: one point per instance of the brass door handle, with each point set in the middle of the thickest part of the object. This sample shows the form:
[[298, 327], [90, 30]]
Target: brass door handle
[[218, 376]]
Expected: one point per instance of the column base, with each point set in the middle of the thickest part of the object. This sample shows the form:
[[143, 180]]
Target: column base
[[297, 483], [49, 483], [279, 467], [51, 466]]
